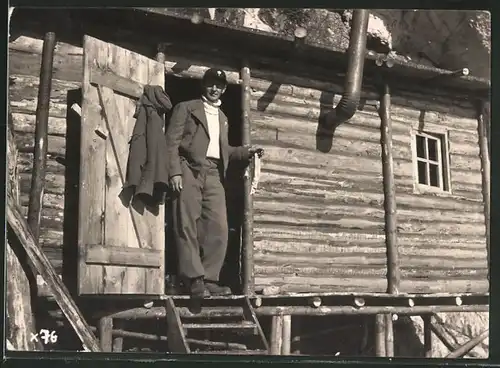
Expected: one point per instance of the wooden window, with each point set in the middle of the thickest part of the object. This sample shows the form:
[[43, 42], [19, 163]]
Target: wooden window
[[430, 153]]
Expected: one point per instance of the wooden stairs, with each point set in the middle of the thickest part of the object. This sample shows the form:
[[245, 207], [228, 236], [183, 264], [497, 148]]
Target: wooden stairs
[[230, 319]]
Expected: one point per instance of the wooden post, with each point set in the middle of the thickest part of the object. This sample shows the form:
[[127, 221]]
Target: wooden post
[[296, 330], [389, 336], [247, 227], [483, 127], [277, 335], [393, 273], [105, 334], [286, 335], [379, 335], [427, 318], [41, 136]]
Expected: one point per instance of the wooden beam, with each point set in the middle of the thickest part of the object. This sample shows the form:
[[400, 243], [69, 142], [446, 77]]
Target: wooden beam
[[175, 332], [468, 346], [247, 227], [123, 256], [389, 335], [116, 82], [41, 136], [42, 265], [286, 335], [105, 334], [380, 335], [393, 272], [276, 335], [483, 126], [427, 319]]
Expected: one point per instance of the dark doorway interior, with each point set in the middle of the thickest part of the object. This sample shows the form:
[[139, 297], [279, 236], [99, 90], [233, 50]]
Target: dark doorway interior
[[183, 89]]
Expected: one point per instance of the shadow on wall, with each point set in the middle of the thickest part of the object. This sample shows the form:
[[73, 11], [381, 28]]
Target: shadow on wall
[[325, 132]]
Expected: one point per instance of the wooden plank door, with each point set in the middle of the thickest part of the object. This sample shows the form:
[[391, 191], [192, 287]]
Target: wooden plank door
[[121, 249]]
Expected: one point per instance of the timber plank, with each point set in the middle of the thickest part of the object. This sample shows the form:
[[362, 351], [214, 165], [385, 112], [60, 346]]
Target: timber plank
[[44, 268], [116, 217], [92, 175], [122, 256]]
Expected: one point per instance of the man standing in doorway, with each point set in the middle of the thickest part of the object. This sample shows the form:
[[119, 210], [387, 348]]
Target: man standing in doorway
[[198, 157]]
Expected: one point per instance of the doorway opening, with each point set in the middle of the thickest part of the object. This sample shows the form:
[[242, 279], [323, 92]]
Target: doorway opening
[[184, 89]]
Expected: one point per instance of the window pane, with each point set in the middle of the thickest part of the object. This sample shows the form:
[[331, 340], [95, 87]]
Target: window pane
[[420, 146], [432, 147], [421, 172], [434, 175]]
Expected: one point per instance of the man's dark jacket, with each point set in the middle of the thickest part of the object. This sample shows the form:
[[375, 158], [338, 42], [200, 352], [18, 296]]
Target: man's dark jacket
[[188, 137], [147, 170]]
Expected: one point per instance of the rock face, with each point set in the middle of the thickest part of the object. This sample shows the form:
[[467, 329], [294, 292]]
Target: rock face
[[448, 39]]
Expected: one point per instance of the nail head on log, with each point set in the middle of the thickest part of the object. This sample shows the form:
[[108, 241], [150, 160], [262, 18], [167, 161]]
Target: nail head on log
[[300, 33], [359, 302], [458, 300], [257, 302], [395, 317], [411, 302]]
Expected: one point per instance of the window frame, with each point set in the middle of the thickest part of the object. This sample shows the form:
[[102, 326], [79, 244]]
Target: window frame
[[443, 161]]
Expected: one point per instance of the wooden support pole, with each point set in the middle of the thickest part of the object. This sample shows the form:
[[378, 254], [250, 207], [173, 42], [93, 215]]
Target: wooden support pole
[[105, 334], [276, 335], [389, 336], [393, 272], [427, 319], [287, 335], [468, 346], [483, 127], [379, 335], [41, 136], [247, 227], [44, 267]]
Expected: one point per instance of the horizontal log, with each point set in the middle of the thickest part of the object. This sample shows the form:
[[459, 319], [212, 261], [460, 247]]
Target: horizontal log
[[366, 239], [26, 87], [324, 311], [294, 192], [26, 123], [359, 263], [28, 106], [50, 218], [35, 46], [26, 143], [313, 207], [54, 183], [325, 161], [467, 191], [400, 113], [55, 201], [25, 164], [66, 67], [450, 285], [341, 249]]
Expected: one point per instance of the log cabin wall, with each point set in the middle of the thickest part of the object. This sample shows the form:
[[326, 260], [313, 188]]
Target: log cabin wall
[[441, 234], [318, 211], [61, 190]]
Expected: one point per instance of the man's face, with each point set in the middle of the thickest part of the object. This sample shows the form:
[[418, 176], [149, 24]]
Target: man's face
[[213, 90]]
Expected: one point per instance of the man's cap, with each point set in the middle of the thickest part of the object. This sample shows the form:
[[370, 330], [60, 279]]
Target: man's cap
[[214, 74]]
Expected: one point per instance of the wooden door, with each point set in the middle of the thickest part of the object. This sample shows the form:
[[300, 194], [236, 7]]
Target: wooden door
[[121, 250]]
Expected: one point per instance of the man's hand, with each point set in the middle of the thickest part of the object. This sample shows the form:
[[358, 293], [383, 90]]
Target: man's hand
[[176, 183], [252, 150]]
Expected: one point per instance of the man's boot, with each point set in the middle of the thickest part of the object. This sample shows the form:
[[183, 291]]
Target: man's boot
[[216, 290], [196, 288]]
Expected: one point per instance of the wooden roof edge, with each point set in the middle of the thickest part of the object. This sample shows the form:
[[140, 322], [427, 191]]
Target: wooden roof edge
[[401, 67]]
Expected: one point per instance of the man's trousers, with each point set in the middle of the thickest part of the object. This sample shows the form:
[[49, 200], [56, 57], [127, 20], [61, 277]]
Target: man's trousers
[[200, 221]]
